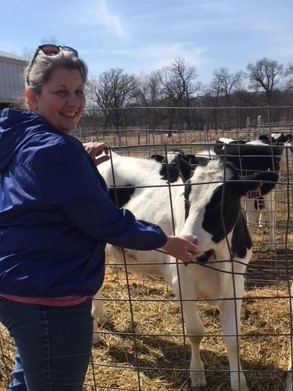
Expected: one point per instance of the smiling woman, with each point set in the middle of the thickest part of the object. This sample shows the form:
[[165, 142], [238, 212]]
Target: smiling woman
[[55, 86], [61, 101], [56, 217]]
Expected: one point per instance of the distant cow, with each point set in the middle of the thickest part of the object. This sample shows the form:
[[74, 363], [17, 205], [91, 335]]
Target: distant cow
[[252, 157], [172, 154], [191, 158], [202, 202], [275, 138]]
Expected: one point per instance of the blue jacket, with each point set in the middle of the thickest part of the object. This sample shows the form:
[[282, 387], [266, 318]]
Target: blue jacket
[[55, 213]]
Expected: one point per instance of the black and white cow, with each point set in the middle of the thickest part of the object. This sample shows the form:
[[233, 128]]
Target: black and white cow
[[202, 202], [275, 138], [172, 154], [192, 158], [253, 157]]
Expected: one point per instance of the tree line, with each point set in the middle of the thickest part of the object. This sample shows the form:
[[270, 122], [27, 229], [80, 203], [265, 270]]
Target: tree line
[[172, 97]]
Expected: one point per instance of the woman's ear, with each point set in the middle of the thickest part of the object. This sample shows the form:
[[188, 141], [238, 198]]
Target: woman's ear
[[31, 99]]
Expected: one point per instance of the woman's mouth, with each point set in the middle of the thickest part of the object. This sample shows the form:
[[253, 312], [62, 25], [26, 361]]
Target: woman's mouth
[[69, 114]]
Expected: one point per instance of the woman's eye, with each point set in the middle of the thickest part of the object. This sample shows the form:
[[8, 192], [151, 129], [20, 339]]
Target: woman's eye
[[62, 92]]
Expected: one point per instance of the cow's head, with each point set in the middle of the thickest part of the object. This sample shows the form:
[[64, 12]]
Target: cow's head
[[212, 204]]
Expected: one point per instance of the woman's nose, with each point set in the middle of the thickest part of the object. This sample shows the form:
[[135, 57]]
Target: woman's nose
[[73, 100]]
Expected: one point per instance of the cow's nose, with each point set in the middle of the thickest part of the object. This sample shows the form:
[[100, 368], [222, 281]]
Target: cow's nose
[[205, 256], [191, 238]]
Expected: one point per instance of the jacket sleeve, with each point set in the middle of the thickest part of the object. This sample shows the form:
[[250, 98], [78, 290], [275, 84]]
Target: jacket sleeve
[[72, 181]]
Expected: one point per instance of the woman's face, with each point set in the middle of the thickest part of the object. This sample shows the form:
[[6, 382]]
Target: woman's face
[[62, 100]]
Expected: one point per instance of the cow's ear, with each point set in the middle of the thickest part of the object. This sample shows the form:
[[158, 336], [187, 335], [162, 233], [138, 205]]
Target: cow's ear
[[186, 169]]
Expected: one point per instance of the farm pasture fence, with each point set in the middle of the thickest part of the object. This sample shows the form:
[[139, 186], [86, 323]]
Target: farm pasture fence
[[143, 344]]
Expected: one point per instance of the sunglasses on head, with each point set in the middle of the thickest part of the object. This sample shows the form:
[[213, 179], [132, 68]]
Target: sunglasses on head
[[49, 50]]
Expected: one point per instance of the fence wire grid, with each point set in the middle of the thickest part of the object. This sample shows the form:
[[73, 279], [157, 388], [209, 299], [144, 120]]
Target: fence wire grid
[[144, 346]]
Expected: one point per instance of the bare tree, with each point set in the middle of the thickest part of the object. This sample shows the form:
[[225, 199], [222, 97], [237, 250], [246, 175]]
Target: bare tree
[[222, 86], [288, 73], [228, 82], [178, 88], [150, 90], [114, 94], [149, 96], [289, 70], [112, 91], [264, 76]]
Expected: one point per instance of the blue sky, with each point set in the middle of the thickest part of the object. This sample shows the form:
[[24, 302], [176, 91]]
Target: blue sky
[[141, 36]]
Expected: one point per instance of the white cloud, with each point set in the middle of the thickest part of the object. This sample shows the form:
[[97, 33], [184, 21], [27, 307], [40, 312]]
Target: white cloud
[[111, 22], [159, 55], [99, 19]]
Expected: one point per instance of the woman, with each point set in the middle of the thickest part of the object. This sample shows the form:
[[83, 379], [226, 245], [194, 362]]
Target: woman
[[55, 220]]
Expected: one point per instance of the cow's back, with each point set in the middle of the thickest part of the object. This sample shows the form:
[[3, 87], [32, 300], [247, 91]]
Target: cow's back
[[141, 186]]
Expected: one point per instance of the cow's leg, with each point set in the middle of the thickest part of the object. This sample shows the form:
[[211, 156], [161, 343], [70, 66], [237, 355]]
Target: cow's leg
[[98, 315], [194, 331], [251, 215], [270, 208], [230, 321]]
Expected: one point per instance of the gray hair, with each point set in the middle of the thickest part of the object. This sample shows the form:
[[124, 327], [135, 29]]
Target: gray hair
[[37, 74]]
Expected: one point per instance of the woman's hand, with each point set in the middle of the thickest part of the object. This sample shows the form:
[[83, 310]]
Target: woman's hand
[[95, 149], [183, 248]]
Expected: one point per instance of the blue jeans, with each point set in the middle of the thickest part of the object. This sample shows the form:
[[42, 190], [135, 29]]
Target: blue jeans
[[53, 345]]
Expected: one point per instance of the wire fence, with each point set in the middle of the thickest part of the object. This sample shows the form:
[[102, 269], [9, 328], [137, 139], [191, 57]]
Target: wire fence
[[143, 345], [153, 320]]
